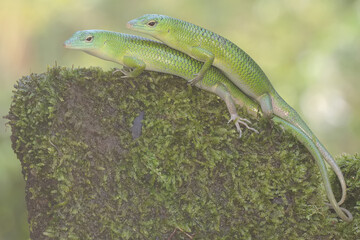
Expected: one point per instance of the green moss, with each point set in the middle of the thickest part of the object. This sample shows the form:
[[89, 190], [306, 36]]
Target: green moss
[[87, 178], [350, 165]]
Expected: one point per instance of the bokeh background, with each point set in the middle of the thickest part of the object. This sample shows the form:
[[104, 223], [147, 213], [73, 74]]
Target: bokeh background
[[310, 50]]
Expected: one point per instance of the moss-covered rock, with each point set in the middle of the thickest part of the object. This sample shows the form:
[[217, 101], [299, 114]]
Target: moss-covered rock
[[350, 166], [94, 170]]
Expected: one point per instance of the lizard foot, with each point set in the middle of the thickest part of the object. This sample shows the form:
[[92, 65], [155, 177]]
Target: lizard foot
[[195, 80], [116, 70], [243, 121], [126, 71]]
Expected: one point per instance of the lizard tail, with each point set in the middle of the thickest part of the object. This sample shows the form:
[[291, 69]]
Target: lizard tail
[[330, 160], [286, 112], [315, 152]]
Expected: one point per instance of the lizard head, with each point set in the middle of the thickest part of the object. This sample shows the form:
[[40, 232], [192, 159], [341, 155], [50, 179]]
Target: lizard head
[[93, 42], [173, 32], [82, 40], [158, 26]]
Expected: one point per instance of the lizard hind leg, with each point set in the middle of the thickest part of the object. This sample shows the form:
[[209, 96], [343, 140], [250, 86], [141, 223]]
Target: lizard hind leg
[[265, 102], [224, 94]]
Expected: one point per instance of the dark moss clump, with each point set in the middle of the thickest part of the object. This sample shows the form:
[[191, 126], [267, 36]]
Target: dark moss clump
[[187, 173]]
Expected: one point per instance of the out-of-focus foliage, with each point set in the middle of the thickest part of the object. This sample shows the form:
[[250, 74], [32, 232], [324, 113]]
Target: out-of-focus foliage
[[309, 49]]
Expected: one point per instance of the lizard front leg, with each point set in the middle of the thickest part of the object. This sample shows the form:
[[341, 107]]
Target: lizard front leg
[[205, 56], [133, 67]]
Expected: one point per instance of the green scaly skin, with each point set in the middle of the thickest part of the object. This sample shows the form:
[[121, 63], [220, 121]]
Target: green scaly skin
[[237, 65], [137, 54]]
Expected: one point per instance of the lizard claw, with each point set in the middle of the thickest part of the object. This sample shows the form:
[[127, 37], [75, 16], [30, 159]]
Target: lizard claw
[[243, 121], [195, 80], [116, 70], [124, 71]]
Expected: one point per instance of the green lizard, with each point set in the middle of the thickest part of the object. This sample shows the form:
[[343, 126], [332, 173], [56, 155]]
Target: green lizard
[[238, 66], [137, 54]]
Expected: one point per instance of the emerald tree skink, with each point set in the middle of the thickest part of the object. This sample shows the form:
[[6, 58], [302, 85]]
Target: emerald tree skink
[[237, 65], [138, 54]]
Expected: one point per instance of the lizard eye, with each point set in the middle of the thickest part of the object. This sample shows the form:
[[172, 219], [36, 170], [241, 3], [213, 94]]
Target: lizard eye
[[89, 39], [152, 23]]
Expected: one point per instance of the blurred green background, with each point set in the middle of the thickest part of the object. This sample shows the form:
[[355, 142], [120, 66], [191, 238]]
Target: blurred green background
[[310, 50]]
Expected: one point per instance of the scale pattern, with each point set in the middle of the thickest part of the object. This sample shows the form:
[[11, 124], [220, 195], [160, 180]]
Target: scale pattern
[[160, 57], [232, 60]]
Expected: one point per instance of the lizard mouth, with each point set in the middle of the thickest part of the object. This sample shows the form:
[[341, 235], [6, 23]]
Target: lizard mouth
[[67, 44], [130, 25], [137, 26]]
